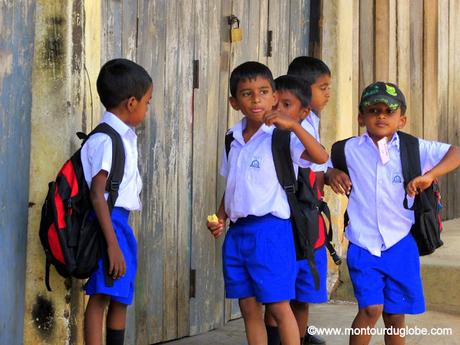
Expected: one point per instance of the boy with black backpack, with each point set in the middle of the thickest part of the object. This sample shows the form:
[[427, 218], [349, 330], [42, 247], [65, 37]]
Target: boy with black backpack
[[294, 100], [125, 90], [383, 256], [259, 253]]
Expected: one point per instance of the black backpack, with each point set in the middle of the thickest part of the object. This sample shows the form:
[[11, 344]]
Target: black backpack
[[69, 231], [428, 226], [304, 198]]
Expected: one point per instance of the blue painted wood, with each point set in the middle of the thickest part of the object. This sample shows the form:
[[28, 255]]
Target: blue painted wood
[[16, 49]]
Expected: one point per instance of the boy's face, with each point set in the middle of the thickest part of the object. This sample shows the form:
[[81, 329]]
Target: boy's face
[[138, 108], [254, 97], [320, 92], [289, 104], [380, 121]]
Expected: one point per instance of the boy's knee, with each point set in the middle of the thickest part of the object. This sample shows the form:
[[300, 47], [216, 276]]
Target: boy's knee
[[372, 312], [279, 310], [250, 307], [393, 319], [299, 306]]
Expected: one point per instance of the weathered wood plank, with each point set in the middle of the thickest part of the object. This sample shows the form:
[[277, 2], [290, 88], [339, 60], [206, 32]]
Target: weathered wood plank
[[207, 307], [299, 29], [366, 45], [453, 130], [415, 115], [112, 12], [382, 39], [430, 70], [279, 24], [153, 163], [443, 87], [404, 51]]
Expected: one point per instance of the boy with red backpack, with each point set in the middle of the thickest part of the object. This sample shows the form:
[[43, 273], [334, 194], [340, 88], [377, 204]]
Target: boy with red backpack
[[125, 90]]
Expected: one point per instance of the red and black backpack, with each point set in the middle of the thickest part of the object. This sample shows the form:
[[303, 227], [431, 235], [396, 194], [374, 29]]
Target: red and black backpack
[[69, 231], [305, 202]]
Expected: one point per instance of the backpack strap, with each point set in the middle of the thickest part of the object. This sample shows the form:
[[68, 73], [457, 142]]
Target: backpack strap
[[113, 180], [281, 150], [409, 151], [118, 162], [324, 208], [228, 142], [339, 161]]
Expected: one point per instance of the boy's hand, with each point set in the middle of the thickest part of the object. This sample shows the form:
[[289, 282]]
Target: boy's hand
[[280, 120], [117, 265], [215, 225], [338, 181], [419, 184]]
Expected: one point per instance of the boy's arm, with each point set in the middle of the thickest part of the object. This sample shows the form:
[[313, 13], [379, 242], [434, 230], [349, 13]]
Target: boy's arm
[[217, 228], [449, 162], [338, 181], [314, 151], [117, 266]]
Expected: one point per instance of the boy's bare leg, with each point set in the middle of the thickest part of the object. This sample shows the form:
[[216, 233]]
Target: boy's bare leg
[[300, 310], [116, 315], [94, 316], [253, 321], [287, 325], [366, 317], [394, 321]]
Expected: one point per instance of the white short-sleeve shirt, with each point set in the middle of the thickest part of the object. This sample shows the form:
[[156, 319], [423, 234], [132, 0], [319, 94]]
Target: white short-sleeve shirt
[[96, 155], [311, 125], [378, 219], [252, 185]]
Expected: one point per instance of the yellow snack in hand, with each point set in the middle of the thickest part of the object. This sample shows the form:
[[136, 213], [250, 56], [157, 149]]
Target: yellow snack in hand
[[213, 218]]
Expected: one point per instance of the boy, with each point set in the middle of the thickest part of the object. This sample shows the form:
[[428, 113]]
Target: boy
[[317, 74], [258, 252], [125, 89], [294, 98], [379, 227]]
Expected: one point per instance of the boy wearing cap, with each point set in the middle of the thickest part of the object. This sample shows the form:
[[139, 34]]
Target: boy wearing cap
[[383, 258]]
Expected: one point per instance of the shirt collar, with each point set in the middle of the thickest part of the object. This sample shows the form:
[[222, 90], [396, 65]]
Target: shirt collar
[[366, 138], [238, 129], [312, 118], [118, 125]]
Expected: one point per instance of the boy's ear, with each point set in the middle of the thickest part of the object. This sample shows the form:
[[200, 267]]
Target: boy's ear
[[234, 103], [131, 103], [305, 112], [275, 98], [361, 120], [402, 121]]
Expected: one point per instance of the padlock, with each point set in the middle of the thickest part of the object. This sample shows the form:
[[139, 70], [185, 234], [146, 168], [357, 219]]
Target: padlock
[[236, 34]]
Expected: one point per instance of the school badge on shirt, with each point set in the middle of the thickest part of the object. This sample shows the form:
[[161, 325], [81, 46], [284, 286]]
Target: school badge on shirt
[[255, 163]]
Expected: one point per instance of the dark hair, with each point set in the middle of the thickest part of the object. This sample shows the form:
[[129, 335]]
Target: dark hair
[[120, 79], [300, 88], [308, 68], [247, 71]]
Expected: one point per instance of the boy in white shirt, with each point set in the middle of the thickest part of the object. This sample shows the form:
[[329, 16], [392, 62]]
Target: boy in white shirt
[[125, 89], [258, 253], [383, 258]]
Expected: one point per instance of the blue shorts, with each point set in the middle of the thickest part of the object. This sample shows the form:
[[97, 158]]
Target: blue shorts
[[305, 290], [392, 280], [122, 290], [259, 259]]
